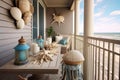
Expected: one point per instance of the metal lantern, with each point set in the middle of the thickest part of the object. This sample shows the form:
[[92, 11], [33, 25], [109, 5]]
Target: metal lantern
[[21, 52], [40, 42]]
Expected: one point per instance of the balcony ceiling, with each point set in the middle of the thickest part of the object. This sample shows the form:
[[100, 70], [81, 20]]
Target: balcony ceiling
[[58, 3]]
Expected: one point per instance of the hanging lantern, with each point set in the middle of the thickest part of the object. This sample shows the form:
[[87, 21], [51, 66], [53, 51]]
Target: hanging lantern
[[21, 52], [40, 42]]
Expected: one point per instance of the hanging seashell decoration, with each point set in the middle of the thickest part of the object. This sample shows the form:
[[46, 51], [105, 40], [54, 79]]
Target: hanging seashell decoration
[[16, 13], [24, 6], [24, 9], [27, 17], [58, 19], [20, 24]]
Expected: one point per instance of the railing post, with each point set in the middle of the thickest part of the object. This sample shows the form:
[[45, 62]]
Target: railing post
[[88, 30]]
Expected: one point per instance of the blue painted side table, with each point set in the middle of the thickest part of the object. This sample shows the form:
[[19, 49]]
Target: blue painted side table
[[71, 72]]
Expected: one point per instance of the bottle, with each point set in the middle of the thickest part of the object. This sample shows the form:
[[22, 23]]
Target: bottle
[[40, 42]]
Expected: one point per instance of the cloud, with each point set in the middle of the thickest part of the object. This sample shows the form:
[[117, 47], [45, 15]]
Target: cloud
[[105, 19], [99, 11], [81, 1], [98, 14], [81, 11], [106, 24], [96, 2], [107, 27], [116, 12]]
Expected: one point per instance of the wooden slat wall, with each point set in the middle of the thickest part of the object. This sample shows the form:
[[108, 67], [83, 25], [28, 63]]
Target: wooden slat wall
[[9, 35]]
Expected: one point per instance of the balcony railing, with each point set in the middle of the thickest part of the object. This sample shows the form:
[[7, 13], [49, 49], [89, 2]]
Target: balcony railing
[[106, 54]]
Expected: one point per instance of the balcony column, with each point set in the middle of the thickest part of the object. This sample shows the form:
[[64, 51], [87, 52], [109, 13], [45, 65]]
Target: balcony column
[[88, 31], [76, 20]]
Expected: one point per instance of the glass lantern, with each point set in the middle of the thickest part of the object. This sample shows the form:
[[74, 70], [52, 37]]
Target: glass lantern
[[21, 52]]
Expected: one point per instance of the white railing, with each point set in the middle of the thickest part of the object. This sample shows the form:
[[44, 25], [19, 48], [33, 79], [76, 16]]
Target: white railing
[[79, 43], [106, 53]]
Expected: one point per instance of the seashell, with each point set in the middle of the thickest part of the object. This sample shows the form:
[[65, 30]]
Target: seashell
[[20, 24], [16, 13], [24, 6], [31, 8], [27, 17], [74, 57]]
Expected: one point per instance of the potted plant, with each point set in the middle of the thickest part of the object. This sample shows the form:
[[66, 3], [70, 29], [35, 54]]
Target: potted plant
[[50, 33]]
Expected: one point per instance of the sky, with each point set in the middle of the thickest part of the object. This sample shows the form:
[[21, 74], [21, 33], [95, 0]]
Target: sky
[[106, 16]]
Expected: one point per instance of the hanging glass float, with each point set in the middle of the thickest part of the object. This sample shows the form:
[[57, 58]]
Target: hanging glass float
[[40, 42], [21, 52]]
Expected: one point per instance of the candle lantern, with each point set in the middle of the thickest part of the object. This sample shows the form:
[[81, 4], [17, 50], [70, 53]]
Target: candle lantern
[[21, 52], [40, 42]]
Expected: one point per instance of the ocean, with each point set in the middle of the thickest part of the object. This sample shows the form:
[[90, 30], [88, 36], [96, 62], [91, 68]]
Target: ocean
[[108, 35], [113, 35]]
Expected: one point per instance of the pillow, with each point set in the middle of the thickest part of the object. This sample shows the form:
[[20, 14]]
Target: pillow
[[58, 38], [63, 41]]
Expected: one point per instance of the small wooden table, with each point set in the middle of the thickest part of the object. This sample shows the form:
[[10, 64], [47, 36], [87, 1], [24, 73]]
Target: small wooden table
[[50, 67]]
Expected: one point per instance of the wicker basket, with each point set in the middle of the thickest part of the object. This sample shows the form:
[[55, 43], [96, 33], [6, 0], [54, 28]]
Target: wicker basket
[[73, 57]]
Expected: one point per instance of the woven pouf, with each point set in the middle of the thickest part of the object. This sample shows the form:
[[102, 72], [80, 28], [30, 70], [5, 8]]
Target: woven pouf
[[71, 67], [74, 57]]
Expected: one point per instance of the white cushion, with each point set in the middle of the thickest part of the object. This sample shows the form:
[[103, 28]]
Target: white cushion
[[58, 38]]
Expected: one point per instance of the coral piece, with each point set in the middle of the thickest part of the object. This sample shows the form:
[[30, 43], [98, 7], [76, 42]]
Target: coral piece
[[42, 57]]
